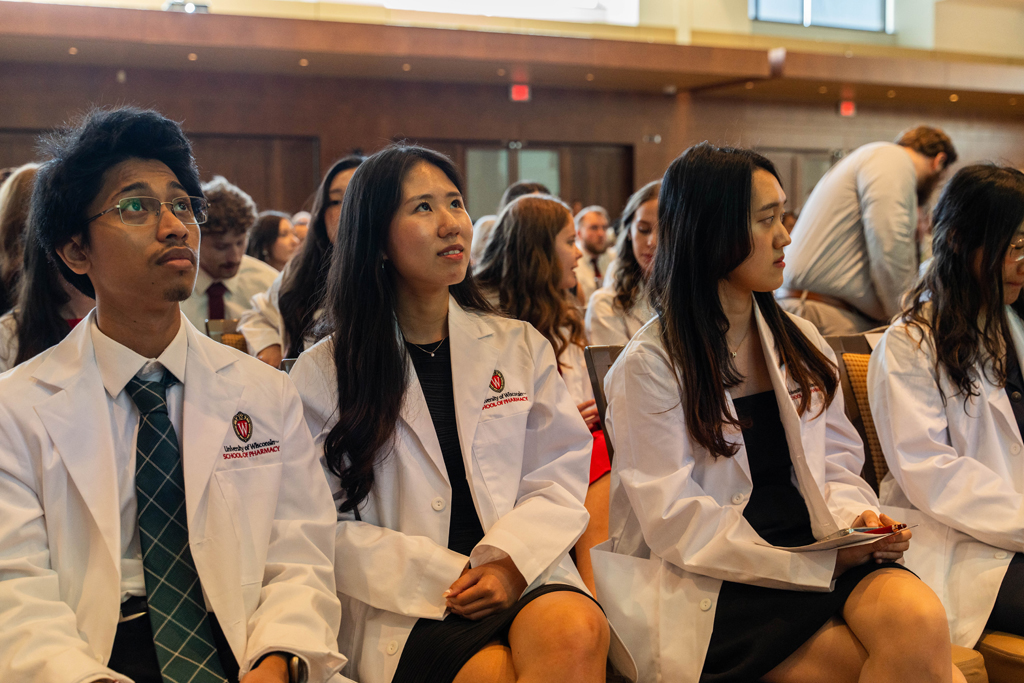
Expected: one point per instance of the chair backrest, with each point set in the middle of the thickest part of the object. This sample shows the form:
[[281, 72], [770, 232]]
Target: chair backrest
[[599, 360], [287, 363], [225, 331], [853, 353]]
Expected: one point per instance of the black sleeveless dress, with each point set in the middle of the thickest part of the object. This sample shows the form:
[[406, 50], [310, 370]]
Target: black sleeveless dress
[[757, 628], [437, 650]]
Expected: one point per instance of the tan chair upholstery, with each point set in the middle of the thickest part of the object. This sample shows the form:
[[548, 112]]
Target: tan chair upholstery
[[599, 360], [853, 354], [1004, 656], [225, 331]]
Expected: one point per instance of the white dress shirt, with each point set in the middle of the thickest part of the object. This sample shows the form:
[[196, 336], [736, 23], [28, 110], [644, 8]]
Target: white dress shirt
[[253, 276], [586, 277], [118, 365], [856, 238]]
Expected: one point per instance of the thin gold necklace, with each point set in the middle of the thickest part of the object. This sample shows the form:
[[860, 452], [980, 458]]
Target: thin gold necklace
[[438, 346], [741, 341]]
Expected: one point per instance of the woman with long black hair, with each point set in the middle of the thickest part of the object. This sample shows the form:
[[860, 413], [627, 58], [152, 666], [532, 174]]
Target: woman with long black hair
[[946, 391], [46, 310], [280, 323], [731, 449], [457, 458], [616, 313]]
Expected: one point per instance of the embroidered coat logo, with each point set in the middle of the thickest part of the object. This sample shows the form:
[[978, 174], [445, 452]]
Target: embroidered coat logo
[[497, 382], [243, 426]]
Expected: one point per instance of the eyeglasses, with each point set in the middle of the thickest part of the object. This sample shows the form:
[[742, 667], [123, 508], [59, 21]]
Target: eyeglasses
[[1015, 252], [143, 210]]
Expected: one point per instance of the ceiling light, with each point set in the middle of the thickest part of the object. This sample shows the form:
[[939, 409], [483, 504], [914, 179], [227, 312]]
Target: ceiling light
[[303, 62], [192, 56], [749, 85], [590, 77], [501, 72], [822, 89], [72, 50], [954, 97], [407, 67], [891, 94]]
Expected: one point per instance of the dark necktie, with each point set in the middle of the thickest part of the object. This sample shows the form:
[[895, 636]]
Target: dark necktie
[[181, 625], [598, 279], [215, 292]]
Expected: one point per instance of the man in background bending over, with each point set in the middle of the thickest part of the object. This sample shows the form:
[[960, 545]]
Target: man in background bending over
[[854, 252]]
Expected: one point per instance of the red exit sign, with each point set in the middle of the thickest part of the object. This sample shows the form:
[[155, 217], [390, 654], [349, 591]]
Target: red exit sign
[[519, 93]]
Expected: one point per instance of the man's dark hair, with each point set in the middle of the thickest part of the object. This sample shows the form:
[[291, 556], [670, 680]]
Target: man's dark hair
[[231, 211], [80, 155], [928, 141]]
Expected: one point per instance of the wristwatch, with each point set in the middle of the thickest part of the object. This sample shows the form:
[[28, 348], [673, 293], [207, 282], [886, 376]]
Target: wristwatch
[[298, 671]]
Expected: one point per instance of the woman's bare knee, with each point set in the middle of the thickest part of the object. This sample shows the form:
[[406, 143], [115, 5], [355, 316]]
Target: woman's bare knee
[[492, 664], [563, 630]]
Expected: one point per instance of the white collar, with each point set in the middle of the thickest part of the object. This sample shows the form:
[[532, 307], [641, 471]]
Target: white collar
[[118, 364]]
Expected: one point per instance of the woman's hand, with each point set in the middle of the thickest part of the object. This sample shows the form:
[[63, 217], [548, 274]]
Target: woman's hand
[[889, 549], [487, 589], [588, 409], [272, 356]]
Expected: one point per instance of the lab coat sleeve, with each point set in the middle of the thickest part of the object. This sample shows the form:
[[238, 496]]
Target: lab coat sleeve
[[384, 568], [548, 516], [888, 204], [604, 323], [913, 428], [299, 611], [39, 638], [682, 523], [845, 491], [262, 325]]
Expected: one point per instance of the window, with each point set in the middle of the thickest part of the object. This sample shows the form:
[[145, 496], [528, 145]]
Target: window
[[860, 15]]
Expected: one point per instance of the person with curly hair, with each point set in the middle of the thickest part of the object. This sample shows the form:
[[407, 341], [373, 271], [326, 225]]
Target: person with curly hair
[[616, 313], [228, 278]]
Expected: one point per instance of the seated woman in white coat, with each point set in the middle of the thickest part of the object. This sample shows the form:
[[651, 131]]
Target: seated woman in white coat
[[527, 273], [731, 447], [945, 387], [616, 313], [280, 323], [457, 458]]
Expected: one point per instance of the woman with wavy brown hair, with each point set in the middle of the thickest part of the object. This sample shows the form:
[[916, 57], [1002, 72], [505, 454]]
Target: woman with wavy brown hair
[[15, 196], [527, 273], [616, 313]]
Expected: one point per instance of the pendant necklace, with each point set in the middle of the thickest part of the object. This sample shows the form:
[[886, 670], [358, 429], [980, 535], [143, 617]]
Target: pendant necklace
[[733, 353], [438, 346]]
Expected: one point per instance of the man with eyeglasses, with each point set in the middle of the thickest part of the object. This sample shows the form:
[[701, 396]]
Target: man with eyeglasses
[[163, 515]]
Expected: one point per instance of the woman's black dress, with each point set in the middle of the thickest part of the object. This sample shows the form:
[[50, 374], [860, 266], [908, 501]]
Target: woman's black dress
[[437, 650], [757, 628]]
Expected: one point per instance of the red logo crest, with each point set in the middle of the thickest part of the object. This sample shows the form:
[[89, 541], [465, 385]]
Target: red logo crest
[[497, 382], [243, 427]]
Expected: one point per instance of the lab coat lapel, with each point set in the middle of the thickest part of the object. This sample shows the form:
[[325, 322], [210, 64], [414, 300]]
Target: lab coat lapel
[[210, 404], [821, 518], [87, 453], [474, 361], [416, 415], [1000, 401]]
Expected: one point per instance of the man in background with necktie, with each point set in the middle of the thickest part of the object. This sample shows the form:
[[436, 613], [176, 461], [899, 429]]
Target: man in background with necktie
[[227, 277], [163, 514], [592, 241]]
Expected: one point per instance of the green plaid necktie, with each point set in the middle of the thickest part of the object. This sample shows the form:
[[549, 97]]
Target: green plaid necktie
[[181, 624]]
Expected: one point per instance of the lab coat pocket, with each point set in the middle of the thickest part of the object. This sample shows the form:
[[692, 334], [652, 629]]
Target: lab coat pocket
[[251, 493], [498, 452]]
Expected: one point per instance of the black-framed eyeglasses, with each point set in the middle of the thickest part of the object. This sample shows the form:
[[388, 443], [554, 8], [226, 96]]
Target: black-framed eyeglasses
[[142, 210]]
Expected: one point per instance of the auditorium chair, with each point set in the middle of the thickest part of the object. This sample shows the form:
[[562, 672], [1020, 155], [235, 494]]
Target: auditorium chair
[[998, 657], [225, 331]]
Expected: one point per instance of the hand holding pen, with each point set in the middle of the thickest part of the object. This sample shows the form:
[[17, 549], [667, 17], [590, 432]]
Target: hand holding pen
[[889, 549]]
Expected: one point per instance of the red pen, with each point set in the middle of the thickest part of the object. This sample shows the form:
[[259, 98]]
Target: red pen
[[879, 529]]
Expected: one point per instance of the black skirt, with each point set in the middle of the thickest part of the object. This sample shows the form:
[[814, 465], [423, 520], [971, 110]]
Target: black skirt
[[437, 650], [757, 628]]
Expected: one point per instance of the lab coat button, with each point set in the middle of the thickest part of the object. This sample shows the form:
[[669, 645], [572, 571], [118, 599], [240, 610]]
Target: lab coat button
[[392, 647], [1016, 397], [705, 605], [1001, 555], [1015, 448], [737, 499], [438, 504]]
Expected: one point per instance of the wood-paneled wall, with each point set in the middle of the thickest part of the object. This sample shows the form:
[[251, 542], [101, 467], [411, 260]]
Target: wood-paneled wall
[[276, 133]]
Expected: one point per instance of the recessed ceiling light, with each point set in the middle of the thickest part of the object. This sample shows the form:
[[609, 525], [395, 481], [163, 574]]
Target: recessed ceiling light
[[822, 89], [1013, 101], [192, 56], [303, 62], [407, 67], [954, 97], [501, 72], [749, 85], [891, 94], [72, 50], [590, 77]]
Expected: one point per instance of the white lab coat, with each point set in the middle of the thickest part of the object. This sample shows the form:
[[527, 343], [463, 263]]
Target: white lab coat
[[261, 528], [608, 324], [958, 474], [676, 514], [527, 455]]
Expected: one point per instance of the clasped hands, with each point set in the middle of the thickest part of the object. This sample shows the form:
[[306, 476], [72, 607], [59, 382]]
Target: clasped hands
[[888, 549], [485, 590]]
